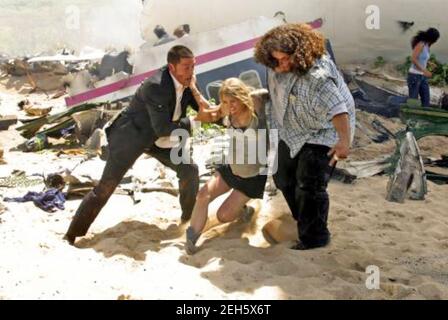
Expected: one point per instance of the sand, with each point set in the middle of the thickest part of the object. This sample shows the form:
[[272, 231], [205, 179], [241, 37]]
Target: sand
[[136, 251]]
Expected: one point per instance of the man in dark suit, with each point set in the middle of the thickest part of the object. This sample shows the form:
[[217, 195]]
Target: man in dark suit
[[156, 111]]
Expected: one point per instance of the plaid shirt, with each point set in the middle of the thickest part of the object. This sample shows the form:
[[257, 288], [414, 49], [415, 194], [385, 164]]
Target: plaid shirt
[[301, 108]]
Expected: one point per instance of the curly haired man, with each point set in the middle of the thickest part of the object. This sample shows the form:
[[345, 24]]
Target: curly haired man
[[314, 113]]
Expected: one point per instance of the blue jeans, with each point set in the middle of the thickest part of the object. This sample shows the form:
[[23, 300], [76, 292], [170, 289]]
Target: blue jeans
[[418, 85]]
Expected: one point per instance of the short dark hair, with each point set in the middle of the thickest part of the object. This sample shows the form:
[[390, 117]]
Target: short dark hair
[[178, 52]]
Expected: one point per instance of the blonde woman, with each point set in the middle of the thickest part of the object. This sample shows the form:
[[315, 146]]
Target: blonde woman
[[243, 179]]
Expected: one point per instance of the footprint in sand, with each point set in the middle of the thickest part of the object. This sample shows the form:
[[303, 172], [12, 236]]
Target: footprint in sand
[[352, 214], [395, 214], [390, 226], [419, 219]]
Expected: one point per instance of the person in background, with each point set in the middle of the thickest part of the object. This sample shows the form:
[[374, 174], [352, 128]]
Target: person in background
[[182, 31], [418, 72], [162, 36]]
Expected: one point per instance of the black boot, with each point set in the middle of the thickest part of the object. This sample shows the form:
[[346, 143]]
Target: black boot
[[299, 245], [84, 217]]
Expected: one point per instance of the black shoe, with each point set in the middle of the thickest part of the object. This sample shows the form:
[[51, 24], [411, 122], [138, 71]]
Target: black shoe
[[185, 217], [70, 239], [302, 246], [248, 213]]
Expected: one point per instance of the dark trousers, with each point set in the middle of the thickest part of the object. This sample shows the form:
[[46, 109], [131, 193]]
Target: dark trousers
[[125, 147], [418, 86], [303, 181]]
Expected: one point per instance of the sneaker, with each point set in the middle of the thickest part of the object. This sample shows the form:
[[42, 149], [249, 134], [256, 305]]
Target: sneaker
[[190, 244], [248, 213], [185, 217], [70, 239]]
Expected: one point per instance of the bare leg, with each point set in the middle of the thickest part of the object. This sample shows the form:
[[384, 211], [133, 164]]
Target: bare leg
[[233, 207], [215, 187]]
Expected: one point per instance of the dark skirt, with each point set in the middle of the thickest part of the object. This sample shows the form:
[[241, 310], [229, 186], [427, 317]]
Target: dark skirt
[[252, 187]]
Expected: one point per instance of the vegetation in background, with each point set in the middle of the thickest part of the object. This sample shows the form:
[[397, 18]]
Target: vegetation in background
[[404, 67], [379, 62], [207, 130]]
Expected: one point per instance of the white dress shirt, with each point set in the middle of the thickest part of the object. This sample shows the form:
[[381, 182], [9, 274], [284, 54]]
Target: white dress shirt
[[171, 142]]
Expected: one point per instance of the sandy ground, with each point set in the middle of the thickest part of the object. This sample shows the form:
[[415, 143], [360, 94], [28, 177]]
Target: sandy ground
[[136, 251]]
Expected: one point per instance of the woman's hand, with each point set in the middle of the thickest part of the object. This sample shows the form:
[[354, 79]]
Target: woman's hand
[[210, 114], [427, 74]]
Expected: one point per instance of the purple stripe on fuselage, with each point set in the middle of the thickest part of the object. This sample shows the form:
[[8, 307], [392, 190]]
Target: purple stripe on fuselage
[[137, 79]]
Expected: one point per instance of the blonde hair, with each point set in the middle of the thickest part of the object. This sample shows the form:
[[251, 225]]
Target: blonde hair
[[237, 89]]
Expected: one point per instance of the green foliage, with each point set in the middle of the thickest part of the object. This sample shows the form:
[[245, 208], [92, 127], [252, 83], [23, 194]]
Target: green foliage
[[404, 68], [207, 129], [439, 70], [379, 62], [191, 112], [210, 126]]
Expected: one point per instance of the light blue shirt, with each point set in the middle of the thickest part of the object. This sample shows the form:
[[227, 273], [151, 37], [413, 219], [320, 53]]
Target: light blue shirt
[[423, 59]]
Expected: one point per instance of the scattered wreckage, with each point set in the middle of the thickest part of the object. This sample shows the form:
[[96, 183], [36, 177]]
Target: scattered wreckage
[[103, 83], [409, 178], [406, 166]]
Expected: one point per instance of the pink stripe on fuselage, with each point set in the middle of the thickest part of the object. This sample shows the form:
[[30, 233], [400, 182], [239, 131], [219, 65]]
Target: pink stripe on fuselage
[[137, 79]]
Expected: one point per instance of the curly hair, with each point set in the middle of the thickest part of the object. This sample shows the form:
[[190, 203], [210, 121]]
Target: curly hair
[[237, 89], [299, 41]]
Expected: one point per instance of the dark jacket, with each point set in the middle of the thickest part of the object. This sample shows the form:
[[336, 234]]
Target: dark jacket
[[152, 107]]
